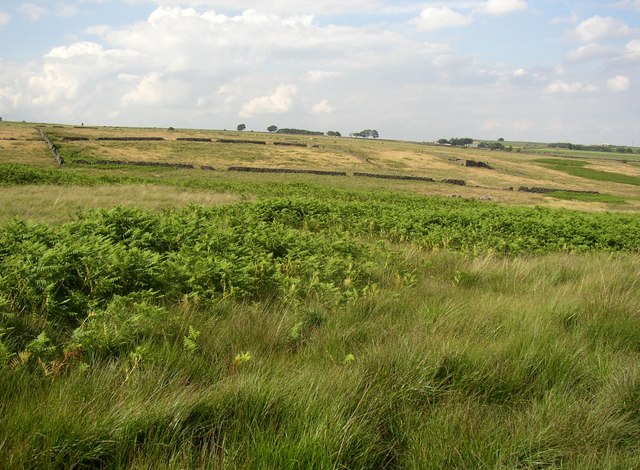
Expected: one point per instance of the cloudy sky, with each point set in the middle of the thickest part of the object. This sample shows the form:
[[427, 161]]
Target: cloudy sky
[[544, 70]]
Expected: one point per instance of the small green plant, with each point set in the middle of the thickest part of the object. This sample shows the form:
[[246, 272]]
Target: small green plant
[[295, 332], [349, 359], [134, 360], [465, 279], [242, 358], [41, 347], [189, 343]]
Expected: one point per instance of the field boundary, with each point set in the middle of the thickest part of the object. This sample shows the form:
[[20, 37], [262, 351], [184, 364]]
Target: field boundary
[[394, 177], [52, 147], [131, 139], [242, 141], [539, 190], [122, 162], [286, 170]]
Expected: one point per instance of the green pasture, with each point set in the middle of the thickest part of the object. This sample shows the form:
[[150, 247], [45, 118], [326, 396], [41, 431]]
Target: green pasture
[[585, 154], [579, 168]]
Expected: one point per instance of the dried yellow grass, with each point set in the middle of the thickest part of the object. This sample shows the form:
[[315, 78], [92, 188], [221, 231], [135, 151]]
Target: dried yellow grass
[[61, 203]]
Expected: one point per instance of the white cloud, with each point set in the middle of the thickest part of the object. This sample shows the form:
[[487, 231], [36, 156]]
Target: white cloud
[[150, 90], [503, 7], [629, 3], [66, 10], [632, 51], [279, 102], [77, 49], [613, 54], [32, 11], [559, 86], [320, 75], [618, 84], [35, 12], [599, 28], [589, 52], [55, 84], [323, 107], [4, 18], [285, 6], [180, 39], [434, 18], [98, 30], [192, 53], [196, 67], [573, 18]]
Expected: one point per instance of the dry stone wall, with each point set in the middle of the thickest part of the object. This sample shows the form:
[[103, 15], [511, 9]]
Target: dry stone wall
[[290, 144], [241, 141], [52, 147], [131, 139], [187, 166], [453, 181], [394, 177], [286, 170], [538, 190]]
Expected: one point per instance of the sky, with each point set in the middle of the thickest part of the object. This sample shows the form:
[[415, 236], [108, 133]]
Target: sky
[[533, 70]]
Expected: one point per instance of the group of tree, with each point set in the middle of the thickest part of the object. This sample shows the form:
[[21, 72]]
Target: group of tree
[[495, 146], [297, 131], [457, 141], [276, 130], [593, 148], [366, 134]]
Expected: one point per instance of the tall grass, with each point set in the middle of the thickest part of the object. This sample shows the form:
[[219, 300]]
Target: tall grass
[[526, 362]]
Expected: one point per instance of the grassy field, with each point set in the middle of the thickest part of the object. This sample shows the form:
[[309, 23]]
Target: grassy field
[[578, 168], [510, 170], [156, 317], [586, 154]]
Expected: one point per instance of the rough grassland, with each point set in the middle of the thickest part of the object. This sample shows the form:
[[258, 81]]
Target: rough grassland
[[49, 203], [225, 320], [510, 170]]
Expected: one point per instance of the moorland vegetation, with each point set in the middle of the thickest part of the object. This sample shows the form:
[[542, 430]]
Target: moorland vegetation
[[255, 320]]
